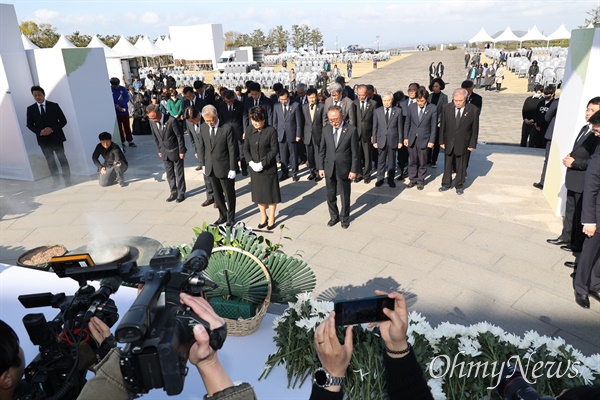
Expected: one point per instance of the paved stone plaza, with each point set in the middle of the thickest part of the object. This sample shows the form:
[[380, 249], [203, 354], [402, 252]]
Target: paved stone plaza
[[463, 259]]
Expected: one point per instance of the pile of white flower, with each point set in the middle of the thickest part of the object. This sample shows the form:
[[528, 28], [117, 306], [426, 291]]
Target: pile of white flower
[[458, 361]]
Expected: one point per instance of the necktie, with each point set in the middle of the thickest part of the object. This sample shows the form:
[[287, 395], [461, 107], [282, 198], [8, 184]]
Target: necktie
[[229, 108], [362, 107], [387, 115], [312, 112], [255, 103], [212, 134], [420, 113], [582, 134], [458, 112], [197, 128], [285, 111], [335, 137], [42, 111]]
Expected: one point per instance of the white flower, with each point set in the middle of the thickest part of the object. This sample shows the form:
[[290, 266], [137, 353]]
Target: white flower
[[277, 321], [309, 323], [305, 296], [437, 365], [585, 373], [436, 389], [593, 362], [554, 346], [469, 346], [323, 308]]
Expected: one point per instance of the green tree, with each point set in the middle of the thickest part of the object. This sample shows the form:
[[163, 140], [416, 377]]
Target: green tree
[[231, 39], [42, 35], [244, 40], [594, 18], [133, 39], [279, 38], [79, 40], [257, 38], [316, 38], [109, 40], [296, 37]]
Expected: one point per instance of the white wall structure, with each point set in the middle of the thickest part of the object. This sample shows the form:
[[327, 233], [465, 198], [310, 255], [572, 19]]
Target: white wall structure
[[66, 79], [581, 83], [197, 42], [18, 146]]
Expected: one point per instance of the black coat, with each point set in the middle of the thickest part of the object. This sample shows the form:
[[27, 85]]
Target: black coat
[[345, 157], [364, 120], [459, 138], [582, 152], [262, 147], [235, 117], [590, 212], [313, 129], [169, 141], [218, 155], [55, 119]]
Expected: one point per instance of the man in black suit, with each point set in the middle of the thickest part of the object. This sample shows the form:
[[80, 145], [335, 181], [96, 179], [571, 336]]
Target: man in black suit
[[193, 121], [257, 98], [571, 237], [336, 99], [313, 128], [217, 155], [192, 99], [338, 163], [371, 95], [387, 131], [459, 130], [347, 91], [364, 109], [287, 120], [472, 97], [231, 111], [207, 96], [419, 135], [46, 120], [301, 95], [587, 275], [404, 106], [539, 134], [171, 148]]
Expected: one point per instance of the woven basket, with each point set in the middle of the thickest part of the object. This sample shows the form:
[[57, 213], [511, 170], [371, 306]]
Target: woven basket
[[244, 327]]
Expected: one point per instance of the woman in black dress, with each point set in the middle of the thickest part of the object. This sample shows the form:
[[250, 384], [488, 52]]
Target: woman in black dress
[[260, 149]]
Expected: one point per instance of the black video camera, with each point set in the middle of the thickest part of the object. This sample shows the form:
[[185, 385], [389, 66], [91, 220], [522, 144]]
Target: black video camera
[[157, 329], [512, 385]]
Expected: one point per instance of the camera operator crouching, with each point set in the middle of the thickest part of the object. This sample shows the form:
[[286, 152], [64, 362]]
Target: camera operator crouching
[[105, 362]]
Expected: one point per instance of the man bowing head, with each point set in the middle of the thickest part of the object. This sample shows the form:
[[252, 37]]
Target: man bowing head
[[338, 161]]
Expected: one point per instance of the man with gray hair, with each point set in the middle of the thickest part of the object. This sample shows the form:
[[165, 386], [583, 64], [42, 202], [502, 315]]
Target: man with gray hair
[[336, 99], [364, 109], [387, 131], [459, 130], [171, 148], [218, 160], [300, 95]]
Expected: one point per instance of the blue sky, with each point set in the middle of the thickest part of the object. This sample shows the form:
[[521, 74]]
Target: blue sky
[[398, 23]]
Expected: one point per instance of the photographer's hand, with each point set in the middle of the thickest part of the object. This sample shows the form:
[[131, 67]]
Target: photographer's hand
[[393, 332], [203, 356], [334, 357], [98, 329]]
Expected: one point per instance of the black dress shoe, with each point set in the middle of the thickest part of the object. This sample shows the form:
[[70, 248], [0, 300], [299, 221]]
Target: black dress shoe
[[595, 295], [220, 221], [420, 186], [570, 264], [367, 180], [358, 178], [459, 191], [230, 223], [172, 198], [568, 247], [345, 224], [311, 177], [538, 185], [283, 177], [557, 241], [582, 299], [295, 178], [180, 198], [271, 227], [411, 185], [207, 202], [332, 222], [198, 168], [378, 183], [443, 189], [261, 226], [245, 172], [391, 183]]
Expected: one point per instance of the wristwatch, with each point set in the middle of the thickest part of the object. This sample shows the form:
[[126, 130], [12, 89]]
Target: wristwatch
[[323, 379]]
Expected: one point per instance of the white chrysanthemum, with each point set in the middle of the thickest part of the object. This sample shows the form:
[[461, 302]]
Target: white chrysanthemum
[[529, 339], [554, 346], [435, 385], [592, 362], [437, 365], [321, 307], [470, 346], [448, 330], [277, 320], [305, 296], [511, 338], [308, 324], [585, 373]]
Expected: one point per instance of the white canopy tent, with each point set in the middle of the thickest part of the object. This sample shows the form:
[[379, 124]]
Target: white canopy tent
[[165, 44], [28, 44], [150, 49], [126, 49], [63, 43], [108, 52], [533, 34], [482, 36], [561, 33], [507, 36]]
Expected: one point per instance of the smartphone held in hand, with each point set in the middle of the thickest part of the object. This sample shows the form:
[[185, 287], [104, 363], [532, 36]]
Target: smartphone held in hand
[[362, 310]]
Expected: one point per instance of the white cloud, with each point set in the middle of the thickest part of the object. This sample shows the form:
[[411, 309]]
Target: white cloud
[[150, 18], [45, 16]]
